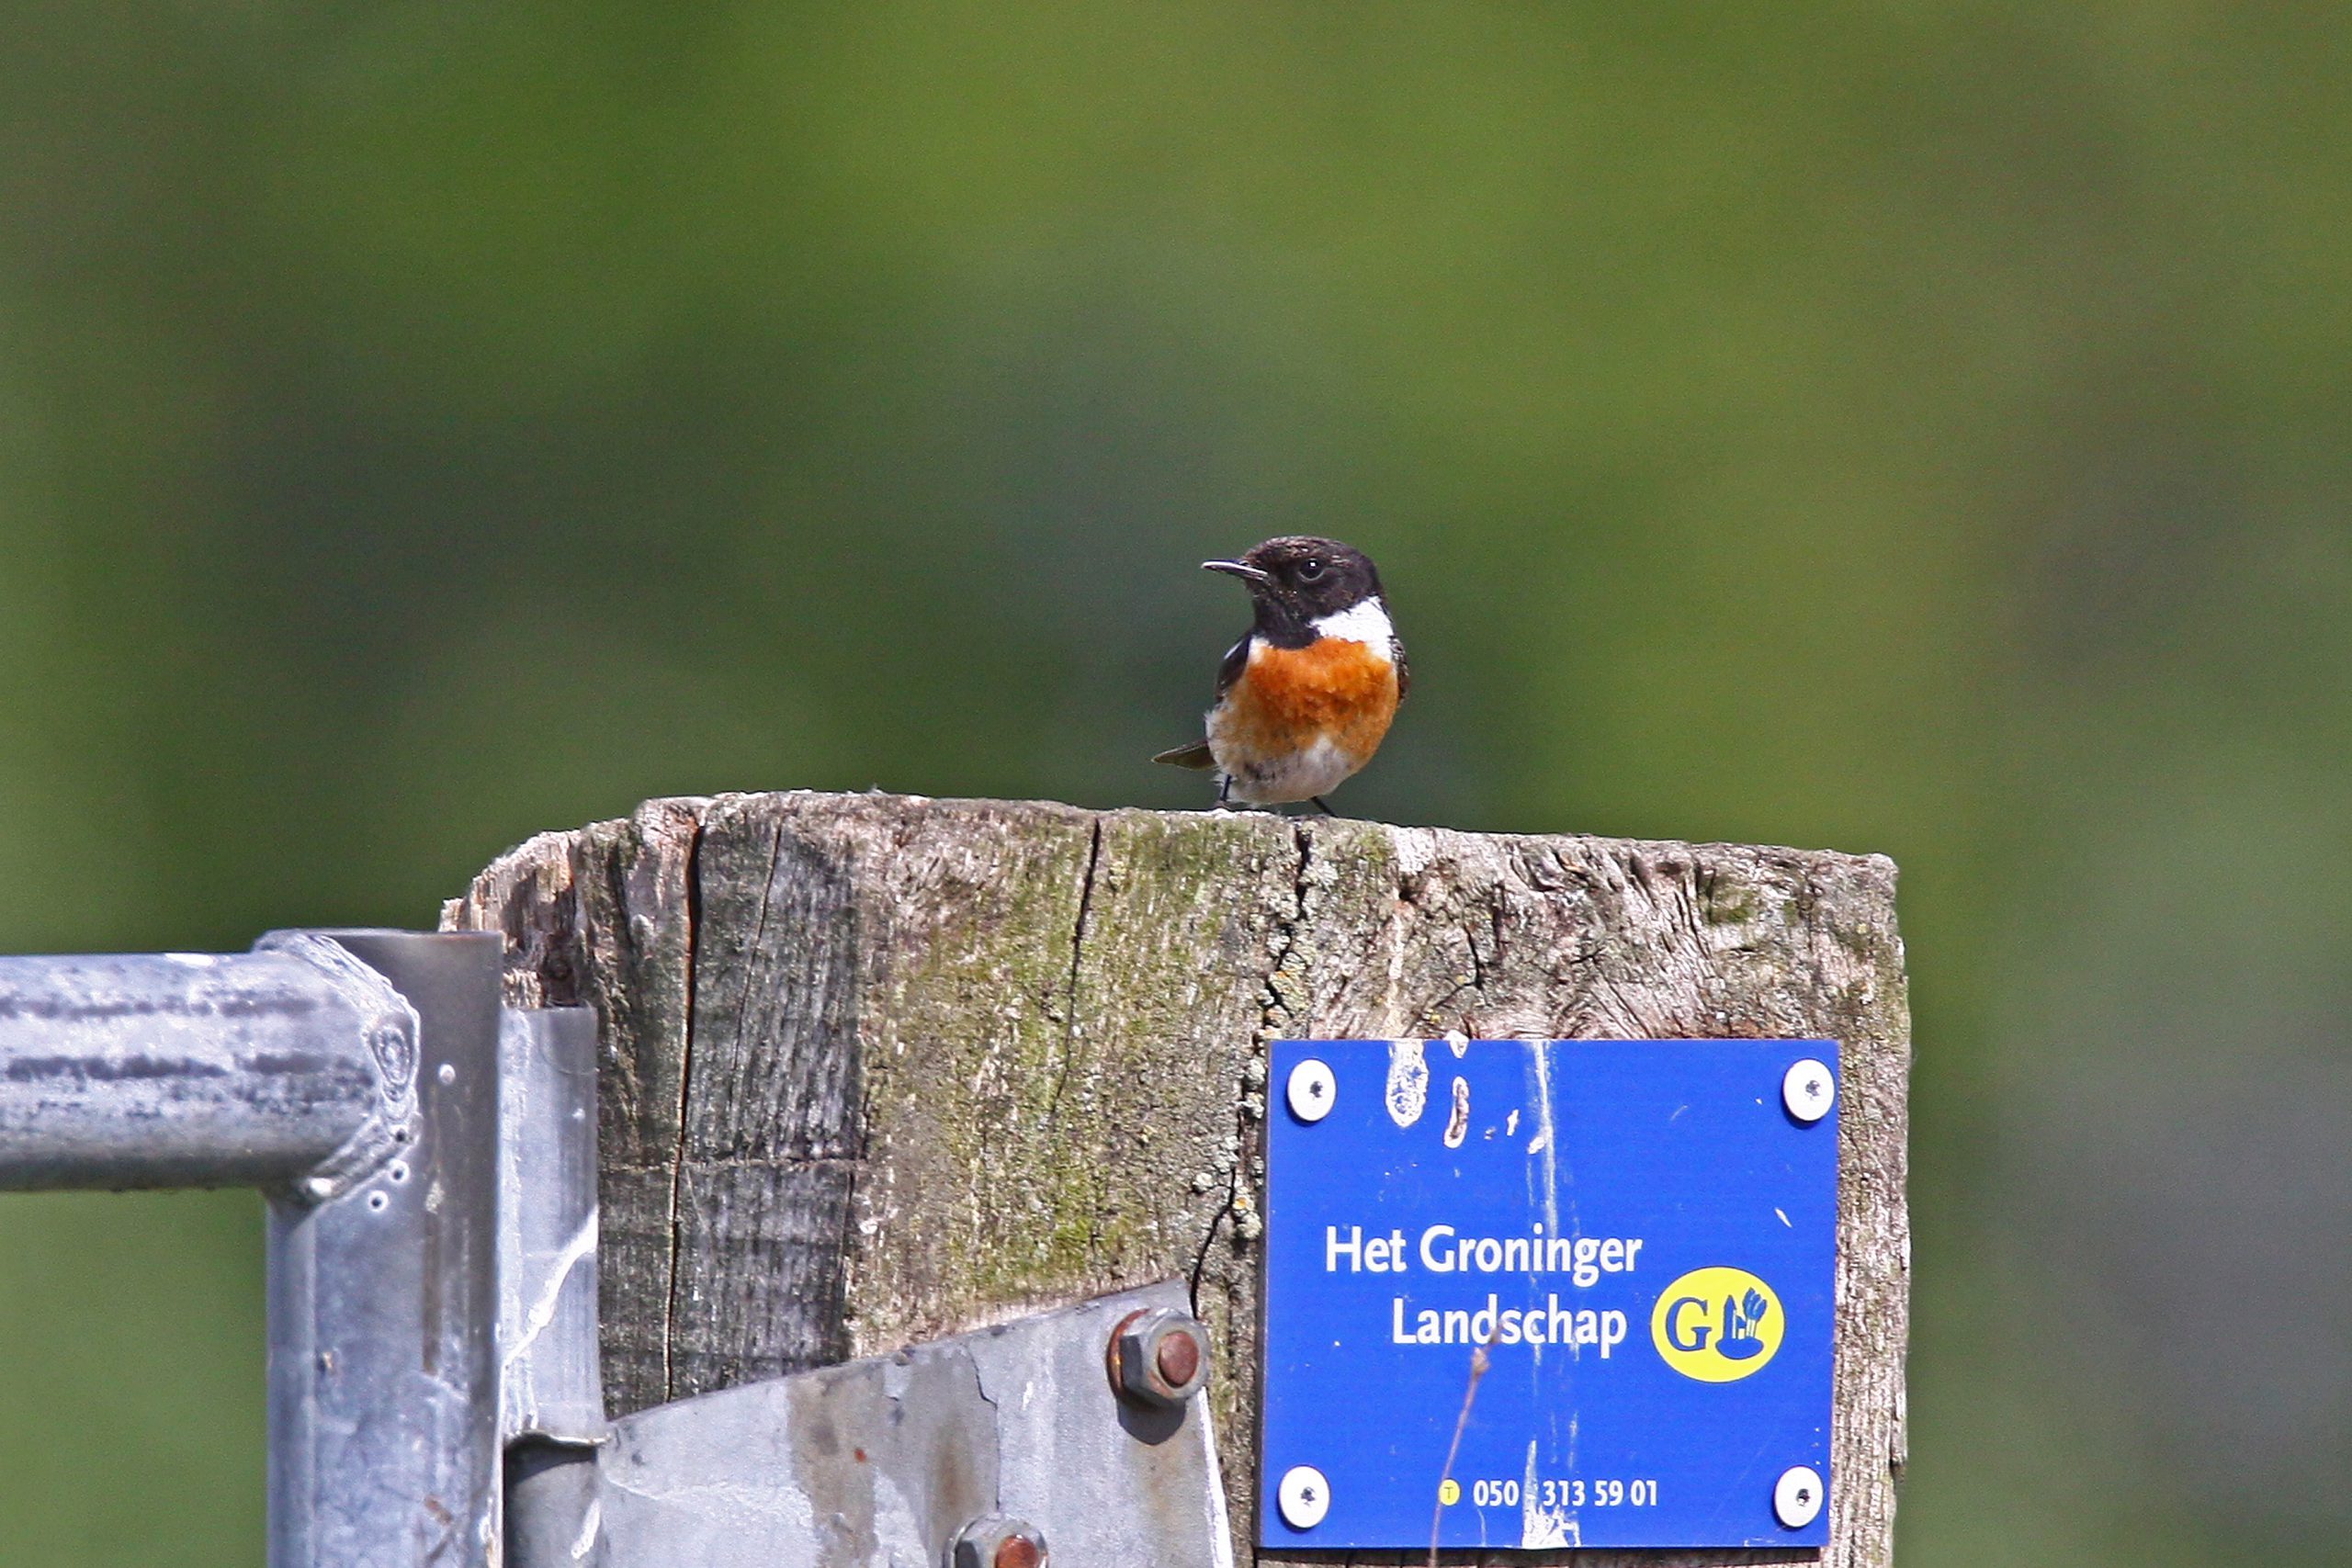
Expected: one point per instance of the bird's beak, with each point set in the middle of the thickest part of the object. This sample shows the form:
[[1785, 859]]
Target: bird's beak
[[1236, 569]]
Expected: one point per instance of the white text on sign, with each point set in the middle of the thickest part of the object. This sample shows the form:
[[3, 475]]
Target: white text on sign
[[1584, 1261], [1584, 1258]]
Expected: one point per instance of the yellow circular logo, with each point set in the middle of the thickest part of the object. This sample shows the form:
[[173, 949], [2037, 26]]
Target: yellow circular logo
[[1717, 1324]]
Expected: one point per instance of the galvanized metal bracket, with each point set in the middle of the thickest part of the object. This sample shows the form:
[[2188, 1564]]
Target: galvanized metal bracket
[[897, 1459]]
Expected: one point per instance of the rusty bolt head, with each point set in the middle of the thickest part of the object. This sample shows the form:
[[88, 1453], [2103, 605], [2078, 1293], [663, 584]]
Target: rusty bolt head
[[1178, 1359], [1159, 1356], [994, 1540]]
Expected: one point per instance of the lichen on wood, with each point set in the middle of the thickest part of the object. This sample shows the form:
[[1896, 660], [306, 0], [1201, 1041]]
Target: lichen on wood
[[879, 1068]]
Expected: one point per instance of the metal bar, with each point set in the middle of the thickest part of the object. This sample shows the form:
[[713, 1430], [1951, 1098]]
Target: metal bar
[[551, 1400], [551, 1384], [383, 1297], [191, 1070], [552, 1507]]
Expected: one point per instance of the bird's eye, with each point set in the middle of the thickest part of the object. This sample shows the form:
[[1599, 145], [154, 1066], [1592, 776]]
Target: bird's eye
[[1310, 570]]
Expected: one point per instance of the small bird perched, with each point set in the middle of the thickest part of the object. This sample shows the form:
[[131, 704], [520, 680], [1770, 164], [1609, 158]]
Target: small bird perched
[[1305, 699]]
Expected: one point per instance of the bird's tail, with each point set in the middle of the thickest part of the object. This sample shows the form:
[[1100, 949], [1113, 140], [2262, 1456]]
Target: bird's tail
[[1196, 755]]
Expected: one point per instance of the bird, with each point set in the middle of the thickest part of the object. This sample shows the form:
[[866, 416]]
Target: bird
[[1306, 695]]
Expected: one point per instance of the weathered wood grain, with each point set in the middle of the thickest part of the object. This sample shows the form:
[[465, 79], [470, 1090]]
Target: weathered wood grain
[[879, 1067]]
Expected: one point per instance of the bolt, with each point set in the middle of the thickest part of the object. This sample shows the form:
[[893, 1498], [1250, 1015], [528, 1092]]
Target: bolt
[[993, 1541], [1178, 1359], [1159, 1356]]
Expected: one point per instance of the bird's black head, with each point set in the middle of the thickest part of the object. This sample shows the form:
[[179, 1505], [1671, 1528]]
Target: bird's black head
[[1297, 579]]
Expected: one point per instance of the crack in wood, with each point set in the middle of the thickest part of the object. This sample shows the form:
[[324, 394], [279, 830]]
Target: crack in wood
[[685, 1082], [1076, 957]]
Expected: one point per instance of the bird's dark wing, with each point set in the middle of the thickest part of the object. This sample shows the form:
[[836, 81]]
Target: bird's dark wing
[[1237, 660], [1404, 671], [1196, 755]]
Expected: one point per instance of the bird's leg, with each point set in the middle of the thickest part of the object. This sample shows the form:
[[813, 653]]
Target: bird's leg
[[1224, 788], [1320, 801]]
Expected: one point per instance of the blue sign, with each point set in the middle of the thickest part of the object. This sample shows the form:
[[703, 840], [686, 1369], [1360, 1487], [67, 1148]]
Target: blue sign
[[1637, 1240]]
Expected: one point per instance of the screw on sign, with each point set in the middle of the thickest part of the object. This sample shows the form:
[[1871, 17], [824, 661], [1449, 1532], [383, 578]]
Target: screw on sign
[[1311, 1089], [1808, 1089], [1797, 1499], [1304, 1496]]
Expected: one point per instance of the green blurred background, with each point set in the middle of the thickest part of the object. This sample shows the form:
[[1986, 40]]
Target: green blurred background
[[1900, 427]]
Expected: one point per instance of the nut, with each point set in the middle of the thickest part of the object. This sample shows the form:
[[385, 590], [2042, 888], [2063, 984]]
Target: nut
[[1159, 1356], [994, 1540]]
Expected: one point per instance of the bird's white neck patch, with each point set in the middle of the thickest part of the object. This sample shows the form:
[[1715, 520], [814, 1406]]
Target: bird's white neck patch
[[1366, 623]]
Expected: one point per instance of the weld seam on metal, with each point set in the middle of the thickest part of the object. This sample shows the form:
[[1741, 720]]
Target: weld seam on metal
[[391, 1030]]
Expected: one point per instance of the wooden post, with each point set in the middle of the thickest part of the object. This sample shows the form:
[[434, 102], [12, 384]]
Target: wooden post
[[878, 1068]]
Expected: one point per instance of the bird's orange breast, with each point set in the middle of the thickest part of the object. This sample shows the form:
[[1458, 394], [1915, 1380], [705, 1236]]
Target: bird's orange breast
[[1335, 689]]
